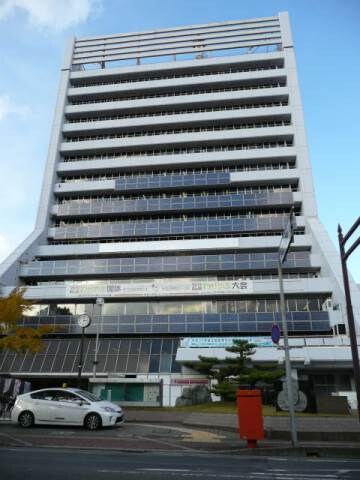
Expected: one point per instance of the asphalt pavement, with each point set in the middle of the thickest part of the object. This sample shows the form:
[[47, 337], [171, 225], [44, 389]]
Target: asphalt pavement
[[43, 464]]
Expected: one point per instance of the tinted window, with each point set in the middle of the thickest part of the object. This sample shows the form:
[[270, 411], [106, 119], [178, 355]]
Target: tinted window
[[63, 396], [43, 395], [89, 396]]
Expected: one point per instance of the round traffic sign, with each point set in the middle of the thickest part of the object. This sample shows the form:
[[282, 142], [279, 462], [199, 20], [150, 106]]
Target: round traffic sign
[[275, 333]]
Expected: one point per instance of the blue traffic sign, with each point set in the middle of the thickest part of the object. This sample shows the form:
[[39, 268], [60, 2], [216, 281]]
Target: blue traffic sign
[[275, 334]]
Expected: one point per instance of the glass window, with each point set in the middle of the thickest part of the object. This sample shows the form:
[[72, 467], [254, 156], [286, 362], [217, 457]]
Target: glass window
[[313, 304], [33, 311], [251, 305], [271, 305], [222, 307], [260, 306], [121, 363], [192, 307], [136, 308], [165, 362], [156, 346], [43, 395], [291, 305], [241, 305], [167, 346], [113, 309], [135, 346], [80, 308], [62, 309], [132, 364], [143, 364], [302, 304], [168, 308], [231, 306], [124, 347], [154, 363], [64, 396]]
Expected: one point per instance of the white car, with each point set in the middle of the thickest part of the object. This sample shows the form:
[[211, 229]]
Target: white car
[[65, 406]]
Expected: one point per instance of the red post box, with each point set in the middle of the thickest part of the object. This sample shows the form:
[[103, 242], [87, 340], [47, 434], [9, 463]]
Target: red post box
[[250, 418]]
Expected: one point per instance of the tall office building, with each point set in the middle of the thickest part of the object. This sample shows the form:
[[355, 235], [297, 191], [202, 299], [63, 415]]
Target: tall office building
[[175, 158]]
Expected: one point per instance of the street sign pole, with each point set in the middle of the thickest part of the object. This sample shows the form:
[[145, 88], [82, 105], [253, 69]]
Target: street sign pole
[[285, 242], [290, 392], [99, 303], [80, 365]]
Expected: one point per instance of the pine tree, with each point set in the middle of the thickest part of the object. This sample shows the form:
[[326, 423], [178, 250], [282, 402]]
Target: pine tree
[[13, 336], [234, 372]]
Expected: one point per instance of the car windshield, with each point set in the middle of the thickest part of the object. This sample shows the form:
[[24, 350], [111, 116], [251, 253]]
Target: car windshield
[[88, 396]]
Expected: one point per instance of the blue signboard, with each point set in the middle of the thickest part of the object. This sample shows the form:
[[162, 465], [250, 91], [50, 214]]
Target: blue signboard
[[275, 334]]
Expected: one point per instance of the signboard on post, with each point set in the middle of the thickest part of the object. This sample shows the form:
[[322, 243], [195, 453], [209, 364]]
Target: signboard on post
[[275, 334]]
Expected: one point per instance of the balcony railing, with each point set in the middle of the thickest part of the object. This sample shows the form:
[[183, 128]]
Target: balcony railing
[[168, 264], [165, 227], [175, 204]]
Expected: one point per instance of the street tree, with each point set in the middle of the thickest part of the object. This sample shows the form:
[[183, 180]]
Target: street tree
[[234, 372], [12, 336]]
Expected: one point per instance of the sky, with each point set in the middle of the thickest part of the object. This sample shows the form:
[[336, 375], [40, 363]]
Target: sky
[[32, 36]]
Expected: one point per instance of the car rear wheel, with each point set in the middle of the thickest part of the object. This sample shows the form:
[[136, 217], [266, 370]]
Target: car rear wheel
[[26, 420], [93, 421]]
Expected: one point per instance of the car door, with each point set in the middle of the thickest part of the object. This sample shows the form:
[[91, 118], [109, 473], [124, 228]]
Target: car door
[[68, 408], [41, 404]]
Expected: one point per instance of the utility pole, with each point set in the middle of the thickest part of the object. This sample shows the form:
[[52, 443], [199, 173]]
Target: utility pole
[[344, 255], [286, 239]]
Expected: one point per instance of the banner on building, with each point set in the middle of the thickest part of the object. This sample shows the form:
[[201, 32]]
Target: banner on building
[[160, 288], [222, 342]]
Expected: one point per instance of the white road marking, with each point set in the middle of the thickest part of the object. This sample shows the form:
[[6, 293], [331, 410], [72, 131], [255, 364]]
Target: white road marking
[[164, 469]]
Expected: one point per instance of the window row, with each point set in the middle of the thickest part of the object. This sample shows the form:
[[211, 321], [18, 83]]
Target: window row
[[158, 175], [180, 93], [176, 131], [151, 77], [178, 204], [160, 227], [309, 323], [115, 356], [178, 307], [181, 111], [170, 264], [181, 151], [167, 182]]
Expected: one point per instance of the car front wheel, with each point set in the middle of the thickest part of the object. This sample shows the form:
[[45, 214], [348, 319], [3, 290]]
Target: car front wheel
[[93, 421], [26, 419]]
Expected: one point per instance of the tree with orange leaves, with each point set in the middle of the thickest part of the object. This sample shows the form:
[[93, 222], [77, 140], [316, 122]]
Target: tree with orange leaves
[[12, 336]]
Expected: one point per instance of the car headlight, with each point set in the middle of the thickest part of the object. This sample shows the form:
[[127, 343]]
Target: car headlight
[[108, 409]]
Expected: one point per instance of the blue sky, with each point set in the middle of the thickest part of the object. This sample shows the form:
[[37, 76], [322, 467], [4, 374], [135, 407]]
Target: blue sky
[[32, 35]]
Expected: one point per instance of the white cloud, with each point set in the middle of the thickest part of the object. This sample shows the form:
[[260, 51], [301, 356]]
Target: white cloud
[[8, 107], [55, 14]]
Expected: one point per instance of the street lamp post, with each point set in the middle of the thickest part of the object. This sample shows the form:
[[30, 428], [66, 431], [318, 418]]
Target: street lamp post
[[83, 321], [99, 303], [286, 239], [344, 255]]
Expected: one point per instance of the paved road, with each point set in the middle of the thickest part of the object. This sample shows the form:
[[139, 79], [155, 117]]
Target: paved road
[[137, 436], [45, 464]]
